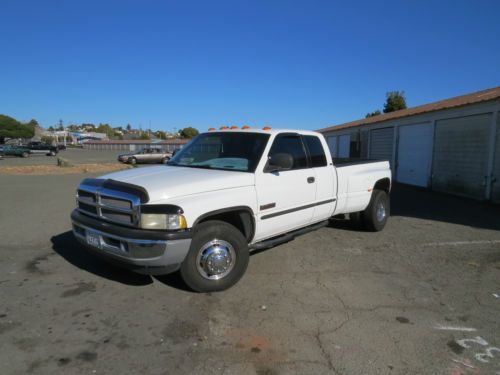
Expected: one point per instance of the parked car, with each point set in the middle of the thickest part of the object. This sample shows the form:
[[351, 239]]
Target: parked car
[[61, 147], [14, 150], [42, 148], [146, 155], [223, 195]]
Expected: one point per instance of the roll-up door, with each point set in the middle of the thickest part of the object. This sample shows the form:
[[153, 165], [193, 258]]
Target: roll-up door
[[495, 185], [414, 154], [461, 149], [344, 146], [381, 144], [332, 145]]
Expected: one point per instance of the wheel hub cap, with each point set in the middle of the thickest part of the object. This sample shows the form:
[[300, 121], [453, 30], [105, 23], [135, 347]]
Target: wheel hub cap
[[215, 259], [381, 212]]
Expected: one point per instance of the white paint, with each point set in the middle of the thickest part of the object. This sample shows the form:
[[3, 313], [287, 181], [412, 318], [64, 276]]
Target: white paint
[[463, 363], [344, 146], [462, 243], [452, 328], [482, 357], [477, 340], [414, 154]]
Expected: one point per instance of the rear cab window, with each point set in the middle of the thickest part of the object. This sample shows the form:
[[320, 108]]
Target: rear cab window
[[316, 151]]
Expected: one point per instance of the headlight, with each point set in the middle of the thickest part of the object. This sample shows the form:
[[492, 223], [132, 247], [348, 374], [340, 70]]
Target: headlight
[[163, 221]]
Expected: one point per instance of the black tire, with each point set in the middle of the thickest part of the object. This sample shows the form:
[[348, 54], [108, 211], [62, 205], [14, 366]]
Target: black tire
[[25, 154], [52, 153], [132, 161], [192, 271], [373, 219], [165, 160]]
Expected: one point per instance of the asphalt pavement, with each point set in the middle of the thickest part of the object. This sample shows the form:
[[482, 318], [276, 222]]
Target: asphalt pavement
[[421, 297]]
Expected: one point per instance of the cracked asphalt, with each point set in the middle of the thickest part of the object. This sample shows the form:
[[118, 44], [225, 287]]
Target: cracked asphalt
[[417, 298]]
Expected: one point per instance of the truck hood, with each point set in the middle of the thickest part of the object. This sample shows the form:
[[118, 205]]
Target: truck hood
[[164, 182]]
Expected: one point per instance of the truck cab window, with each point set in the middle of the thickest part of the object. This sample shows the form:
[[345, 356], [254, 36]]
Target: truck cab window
[[290, 144], [316, 151]]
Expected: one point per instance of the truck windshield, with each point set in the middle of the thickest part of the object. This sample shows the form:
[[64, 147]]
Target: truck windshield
[[222, 150]]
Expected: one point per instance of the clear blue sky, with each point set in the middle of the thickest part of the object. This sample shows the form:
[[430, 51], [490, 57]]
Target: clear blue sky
[[299, 64]]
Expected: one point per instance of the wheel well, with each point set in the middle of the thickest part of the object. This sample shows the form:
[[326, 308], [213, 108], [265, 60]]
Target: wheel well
[[241, 219], [383, 184]]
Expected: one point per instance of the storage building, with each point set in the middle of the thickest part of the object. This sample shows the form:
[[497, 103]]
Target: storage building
[[451, 146]]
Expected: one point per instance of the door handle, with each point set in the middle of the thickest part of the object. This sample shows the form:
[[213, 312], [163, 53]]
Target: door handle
[[310, 180]]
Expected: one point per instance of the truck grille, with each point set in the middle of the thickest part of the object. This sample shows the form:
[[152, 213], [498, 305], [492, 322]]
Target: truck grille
[[110, 205]]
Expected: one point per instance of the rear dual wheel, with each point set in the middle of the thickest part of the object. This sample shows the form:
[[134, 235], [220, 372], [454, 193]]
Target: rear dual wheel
[[217, 259], [375, 216]]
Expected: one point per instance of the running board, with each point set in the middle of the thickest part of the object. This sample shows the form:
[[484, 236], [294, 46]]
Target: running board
[[286, 237]]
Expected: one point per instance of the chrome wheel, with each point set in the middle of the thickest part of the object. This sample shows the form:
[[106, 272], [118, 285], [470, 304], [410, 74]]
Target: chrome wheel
[[215, 259], [381, 213]]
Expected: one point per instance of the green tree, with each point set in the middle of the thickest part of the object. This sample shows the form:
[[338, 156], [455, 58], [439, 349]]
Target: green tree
[[105, 128], [60, 125], [160, 134], [144, 136], [129, 127], [11, 128], [189, 132], [374, 113], [395, 100]]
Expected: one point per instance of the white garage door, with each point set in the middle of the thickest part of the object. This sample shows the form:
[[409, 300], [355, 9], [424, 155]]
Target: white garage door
[[332, 145], [381, 142], [344, 145], [461, 150], [414, 154], [495, 185]]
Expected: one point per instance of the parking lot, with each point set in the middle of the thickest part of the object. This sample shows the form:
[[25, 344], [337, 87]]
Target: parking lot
[[420, 297], [76, 155]]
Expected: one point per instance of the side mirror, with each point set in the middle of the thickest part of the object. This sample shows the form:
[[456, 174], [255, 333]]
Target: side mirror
[[279, 162]]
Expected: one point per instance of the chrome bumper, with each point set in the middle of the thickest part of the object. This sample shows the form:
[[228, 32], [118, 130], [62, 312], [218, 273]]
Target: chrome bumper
[[153, 257]]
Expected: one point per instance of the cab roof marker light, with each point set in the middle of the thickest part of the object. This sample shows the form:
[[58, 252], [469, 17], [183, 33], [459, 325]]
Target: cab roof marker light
[[234, 127], [266, 128], [211, 129], [223, 128], [245, 127]]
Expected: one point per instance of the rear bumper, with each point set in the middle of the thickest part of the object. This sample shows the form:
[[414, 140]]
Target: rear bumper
[[146, 252]]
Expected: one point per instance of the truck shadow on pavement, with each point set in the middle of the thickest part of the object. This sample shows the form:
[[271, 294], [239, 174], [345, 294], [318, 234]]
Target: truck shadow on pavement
[[419, 203], [66, 246], [429, 205], [74, 253]]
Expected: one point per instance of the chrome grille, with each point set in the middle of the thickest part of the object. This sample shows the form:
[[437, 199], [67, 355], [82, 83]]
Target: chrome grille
[[110, 205]]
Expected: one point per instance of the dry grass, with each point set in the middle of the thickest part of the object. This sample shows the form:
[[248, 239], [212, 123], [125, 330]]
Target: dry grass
[[55, 170]]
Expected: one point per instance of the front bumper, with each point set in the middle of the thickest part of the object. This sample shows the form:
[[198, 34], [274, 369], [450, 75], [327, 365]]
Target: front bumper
[[142, 251]]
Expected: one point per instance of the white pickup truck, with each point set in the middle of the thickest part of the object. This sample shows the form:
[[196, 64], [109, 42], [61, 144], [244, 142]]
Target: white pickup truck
[[226, 193]]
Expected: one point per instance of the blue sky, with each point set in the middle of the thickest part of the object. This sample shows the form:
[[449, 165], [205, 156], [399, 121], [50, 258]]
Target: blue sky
[[297, 64]]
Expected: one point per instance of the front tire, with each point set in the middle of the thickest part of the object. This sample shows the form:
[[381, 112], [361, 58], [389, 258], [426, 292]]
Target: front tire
[[25, 154], [217, 259], [165, 160], [132, 161], [378, 210]]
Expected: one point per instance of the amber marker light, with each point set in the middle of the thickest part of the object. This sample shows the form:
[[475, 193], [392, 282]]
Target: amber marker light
[[266, 128], [211, 129], [245, 127], [234, 127]]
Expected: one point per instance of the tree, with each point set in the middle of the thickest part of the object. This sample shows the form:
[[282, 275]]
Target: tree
[[61, 125], [189, 132], [160, 134], [395, 100], [144, 136], [129, 127], [374, 113], [11, 128]]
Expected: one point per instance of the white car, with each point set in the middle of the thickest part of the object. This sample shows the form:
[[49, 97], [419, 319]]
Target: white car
[[223, 195]]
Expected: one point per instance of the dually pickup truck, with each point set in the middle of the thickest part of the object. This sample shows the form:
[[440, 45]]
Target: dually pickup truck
[[226, 193]]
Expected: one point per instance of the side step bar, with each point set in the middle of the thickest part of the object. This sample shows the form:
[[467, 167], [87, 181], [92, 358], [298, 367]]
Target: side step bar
[[286, 237]]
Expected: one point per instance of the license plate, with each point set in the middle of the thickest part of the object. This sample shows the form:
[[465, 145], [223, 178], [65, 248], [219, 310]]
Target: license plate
[[93, 239]]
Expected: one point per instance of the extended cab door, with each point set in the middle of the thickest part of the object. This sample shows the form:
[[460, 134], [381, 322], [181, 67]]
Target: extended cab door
[[286, 198]]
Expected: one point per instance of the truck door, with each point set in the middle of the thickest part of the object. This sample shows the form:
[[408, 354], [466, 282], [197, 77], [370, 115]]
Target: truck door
[[286, 198], [326, 178]]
